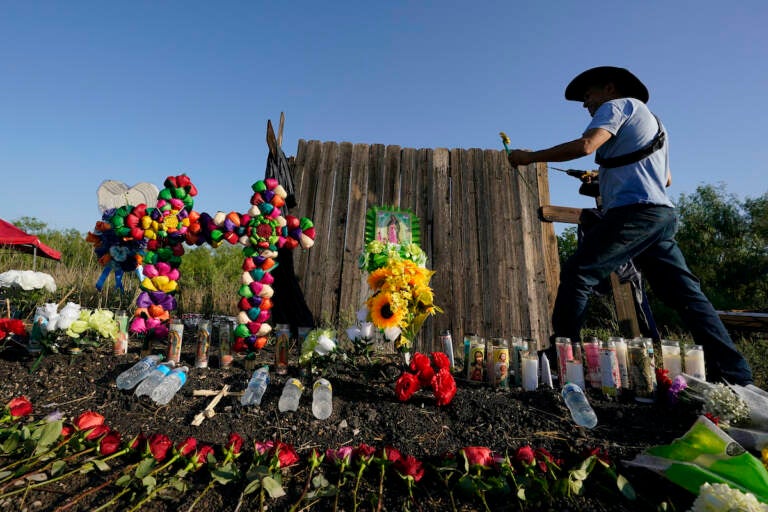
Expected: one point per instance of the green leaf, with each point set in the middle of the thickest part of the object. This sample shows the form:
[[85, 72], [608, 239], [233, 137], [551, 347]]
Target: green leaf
[[4, 474], [274, 489], [57, 466], [320, 481], [123, 481], [626, 488], [144, 468], [103, 466], [149, 482], [521, 493], [252, 486], [11, 443], [225, 474], [48, 434], [178, 484]]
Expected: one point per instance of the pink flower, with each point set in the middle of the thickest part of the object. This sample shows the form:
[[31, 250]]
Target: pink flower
[[342, 454]]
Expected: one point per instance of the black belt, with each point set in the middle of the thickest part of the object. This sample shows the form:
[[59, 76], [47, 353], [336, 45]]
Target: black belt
[[618, 161]]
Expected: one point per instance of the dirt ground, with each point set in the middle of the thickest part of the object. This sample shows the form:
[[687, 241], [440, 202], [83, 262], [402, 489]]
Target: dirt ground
[[365, 410]]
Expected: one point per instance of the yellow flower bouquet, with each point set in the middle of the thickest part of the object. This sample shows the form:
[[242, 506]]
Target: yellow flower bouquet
[[401, 300]]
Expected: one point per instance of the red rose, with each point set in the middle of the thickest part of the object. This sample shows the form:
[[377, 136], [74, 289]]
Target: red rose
[[420, 362], [444, 386], [711, 417], [16, 326], [88, 420], [406, 386], [525, 455], [202, 455], [601, 454], [109, 443], [96, 432], [391, 454], [234, 443], [441, 360], [363, 451], [138, 442], [187, 446], [286, 455], [158, 445], [410, 467], [478, 455], [67, 431], [20, 406]]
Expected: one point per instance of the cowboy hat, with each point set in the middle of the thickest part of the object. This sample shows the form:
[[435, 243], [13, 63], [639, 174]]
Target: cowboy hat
[[627, 83]]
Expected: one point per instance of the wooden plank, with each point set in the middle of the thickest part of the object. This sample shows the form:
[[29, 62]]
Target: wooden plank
[[540, 315], [423, 184], [306, 183], [468, 252], [323, 220], [745, 320], [340, 197], [391, 185], [354, 289], [567, 214], [625, 307], [441, 257], [376, 175], [551, 254]]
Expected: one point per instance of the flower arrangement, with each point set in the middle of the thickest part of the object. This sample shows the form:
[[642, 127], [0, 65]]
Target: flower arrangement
[[73, 326], [424, 375], [401, 297], [318, 348], [717, 497], [145, 468]]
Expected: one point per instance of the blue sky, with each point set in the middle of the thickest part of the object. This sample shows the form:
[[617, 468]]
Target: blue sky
[[136, 91]]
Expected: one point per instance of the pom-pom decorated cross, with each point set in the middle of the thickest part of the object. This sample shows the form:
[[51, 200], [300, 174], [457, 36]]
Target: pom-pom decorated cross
[[149, 241]]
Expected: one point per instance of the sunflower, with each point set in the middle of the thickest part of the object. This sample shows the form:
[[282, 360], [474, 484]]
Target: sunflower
[[383, 312], [378, 277]]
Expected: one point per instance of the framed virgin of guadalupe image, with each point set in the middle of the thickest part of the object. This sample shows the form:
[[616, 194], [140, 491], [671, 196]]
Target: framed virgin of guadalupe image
[[391, 226]]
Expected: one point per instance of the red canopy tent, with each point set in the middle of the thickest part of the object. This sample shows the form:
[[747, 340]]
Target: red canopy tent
[[12, 236]]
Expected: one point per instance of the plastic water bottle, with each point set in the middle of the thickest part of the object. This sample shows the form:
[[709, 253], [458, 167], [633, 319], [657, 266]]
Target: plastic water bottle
[[577, 403], [165, 391], [256, 387], [289, 399], [154, 378], [137, 372], [322, 394]]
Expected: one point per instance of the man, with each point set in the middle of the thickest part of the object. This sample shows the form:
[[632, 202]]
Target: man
[[639, 220]]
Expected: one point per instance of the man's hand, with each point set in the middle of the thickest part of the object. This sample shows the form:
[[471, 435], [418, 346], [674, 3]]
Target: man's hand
[[519, 157]]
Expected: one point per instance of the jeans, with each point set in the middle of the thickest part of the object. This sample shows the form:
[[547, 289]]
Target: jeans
[[646, 234]]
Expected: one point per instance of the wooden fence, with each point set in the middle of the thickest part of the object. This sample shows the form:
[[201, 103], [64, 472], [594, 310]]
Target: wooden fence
[[496, 263]]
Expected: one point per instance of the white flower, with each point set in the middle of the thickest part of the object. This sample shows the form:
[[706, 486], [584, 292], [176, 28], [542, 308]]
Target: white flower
[[67, 315], [353, 332], [362, 315], [391, 333], [722, 402], [366, 330], [324, 345], [722, 498]]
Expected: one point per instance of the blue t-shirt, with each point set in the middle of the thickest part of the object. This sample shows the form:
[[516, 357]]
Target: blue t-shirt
[[633, 127]]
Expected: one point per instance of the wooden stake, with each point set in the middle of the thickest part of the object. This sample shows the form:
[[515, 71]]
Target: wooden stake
[[209, 412]]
